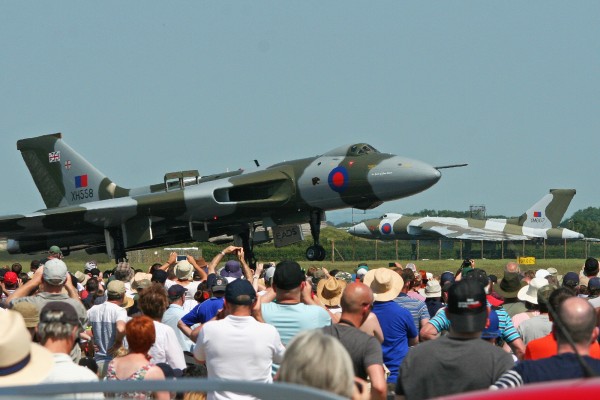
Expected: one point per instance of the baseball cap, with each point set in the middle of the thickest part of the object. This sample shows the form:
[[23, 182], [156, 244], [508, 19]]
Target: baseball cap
[[492, 330], [10, 278], [241, 292], [55, 272], [467, 307], [176, 291], [593, 284], [288, 275], [446, 277], [55, 250], [115, 288], [571, 279], [478, 275], [218, 284], [59, 311]]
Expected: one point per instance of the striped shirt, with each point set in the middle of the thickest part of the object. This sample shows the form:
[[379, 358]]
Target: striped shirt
[[507, 329], [417, 308]]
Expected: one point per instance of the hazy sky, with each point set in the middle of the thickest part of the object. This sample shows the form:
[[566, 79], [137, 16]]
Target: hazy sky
[[141, 88]]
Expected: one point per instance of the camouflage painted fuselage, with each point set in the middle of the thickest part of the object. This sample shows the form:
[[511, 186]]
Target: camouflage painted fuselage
[[85, 209]]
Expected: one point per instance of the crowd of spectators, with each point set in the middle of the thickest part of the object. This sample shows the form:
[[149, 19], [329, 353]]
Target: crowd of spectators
[[376, 333]]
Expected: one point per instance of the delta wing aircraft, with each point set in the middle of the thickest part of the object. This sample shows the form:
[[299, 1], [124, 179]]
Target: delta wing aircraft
[[539, 222], [87, 210]]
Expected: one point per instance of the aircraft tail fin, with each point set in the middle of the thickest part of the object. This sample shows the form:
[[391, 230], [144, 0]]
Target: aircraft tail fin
[[62, 176], [549, 210]]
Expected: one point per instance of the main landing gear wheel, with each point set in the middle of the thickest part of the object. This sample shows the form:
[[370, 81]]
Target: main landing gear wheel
[[315, 253]]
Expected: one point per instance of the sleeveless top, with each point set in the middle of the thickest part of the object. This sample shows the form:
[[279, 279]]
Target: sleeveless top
[[111, 375]]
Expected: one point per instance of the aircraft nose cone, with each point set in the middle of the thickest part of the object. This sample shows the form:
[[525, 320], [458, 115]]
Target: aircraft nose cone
[[400, 177], [359, 230]]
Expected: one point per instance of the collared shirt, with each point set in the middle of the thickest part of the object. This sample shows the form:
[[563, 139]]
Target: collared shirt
[[171, 317], [66, 371]]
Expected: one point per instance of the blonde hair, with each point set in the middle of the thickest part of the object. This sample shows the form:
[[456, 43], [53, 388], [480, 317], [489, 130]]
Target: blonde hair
[[315, 359]]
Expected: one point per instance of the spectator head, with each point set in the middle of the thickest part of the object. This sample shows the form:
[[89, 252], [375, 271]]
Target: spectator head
[[34, 265], [467, 307], [329, 291], [357, 299], [217, 285], [512, 267], [344, 276], [433, 289], [140, 334], [571, 280], [16, 268], [154, 267], [232, 270], [55, 252], [446, 277], [141, 281], [478, 275], [408, 276], [579, 318], [11, 280], [385, 284], [159, 276], [81, 277], [269, 276], [288, 275], [58, 321], [590, 267], [528, 275], [543, 296], [89, 266], [320, 361], [529, 293], [115, 291], [153, 301], [184, 271], [23, 362], [30, 314], [362, 270], [509, 286], [175, 293], [124, 272], [55, 272], [491, 332], [240, 293], [593, 286]]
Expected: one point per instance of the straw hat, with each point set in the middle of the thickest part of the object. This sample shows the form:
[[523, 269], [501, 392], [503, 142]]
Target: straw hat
[[385, 283], [329, 291], [27, 362]]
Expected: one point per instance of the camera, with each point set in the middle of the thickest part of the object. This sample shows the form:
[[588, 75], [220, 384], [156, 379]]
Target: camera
[[181, 258], [466, 263]]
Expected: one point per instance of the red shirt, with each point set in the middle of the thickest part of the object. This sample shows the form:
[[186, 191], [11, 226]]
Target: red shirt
[[547, 347]]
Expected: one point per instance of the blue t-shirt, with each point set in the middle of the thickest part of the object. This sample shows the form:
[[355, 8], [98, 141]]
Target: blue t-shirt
[[398, 326], [203, 312], [289, 319]]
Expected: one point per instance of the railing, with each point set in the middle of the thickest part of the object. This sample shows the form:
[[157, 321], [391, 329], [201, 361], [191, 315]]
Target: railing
[[265, 391]]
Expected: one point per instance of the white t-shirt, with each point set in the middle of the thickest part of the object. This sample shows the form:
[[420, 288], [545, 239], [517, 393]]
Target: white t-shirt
[[66, 371], [233, 342]]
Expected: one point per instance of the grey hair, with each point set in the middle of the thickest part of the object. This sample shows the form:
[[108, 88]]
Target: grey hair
[[54, 330], [315, 359]]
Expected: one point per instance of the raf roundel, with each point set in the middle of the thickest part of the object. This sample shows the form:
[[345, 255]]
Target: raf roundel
[[386, 228], [338, 179]]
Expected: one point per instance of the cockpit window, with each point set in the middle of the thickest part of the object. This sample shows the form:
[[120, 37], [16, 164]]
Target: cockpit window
[[353, 150]]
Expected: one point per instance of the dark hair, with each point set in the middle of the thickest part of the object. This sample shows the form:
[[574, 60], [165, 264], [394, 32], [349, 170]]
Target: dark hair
[[34, 264], [16, 268], [559, 295], [408, 276], [140, 334], [92, 285]]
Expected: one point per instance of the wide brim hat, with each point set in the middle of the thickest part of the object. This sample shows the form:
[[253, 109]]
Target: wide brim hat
[[329, 291], [385, 283], [30, 362], [81, 277], [509, 286], [529, 292], [184, 270], [127, 302], [232, 269]]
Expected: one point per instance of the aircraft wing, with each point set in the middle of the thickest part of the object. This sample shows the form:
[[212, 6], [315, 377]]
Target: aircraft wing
[[469, 233]]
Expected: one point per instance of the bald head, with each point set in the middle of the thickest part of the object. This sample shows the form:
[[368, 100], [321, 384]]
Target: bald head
[[579, 317], [355, 297], [512, 267]]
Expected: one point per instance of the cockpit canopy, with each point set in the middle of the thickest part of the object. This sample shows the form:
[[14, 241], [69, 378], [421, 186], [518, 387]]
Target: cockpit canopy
[[352, 150]]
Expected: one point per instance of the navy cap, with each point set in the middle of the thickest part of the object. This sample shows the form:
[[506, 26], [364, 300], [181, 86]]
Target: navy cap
[[594, 283], [240, 292], [176, 291], [571, 279]]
